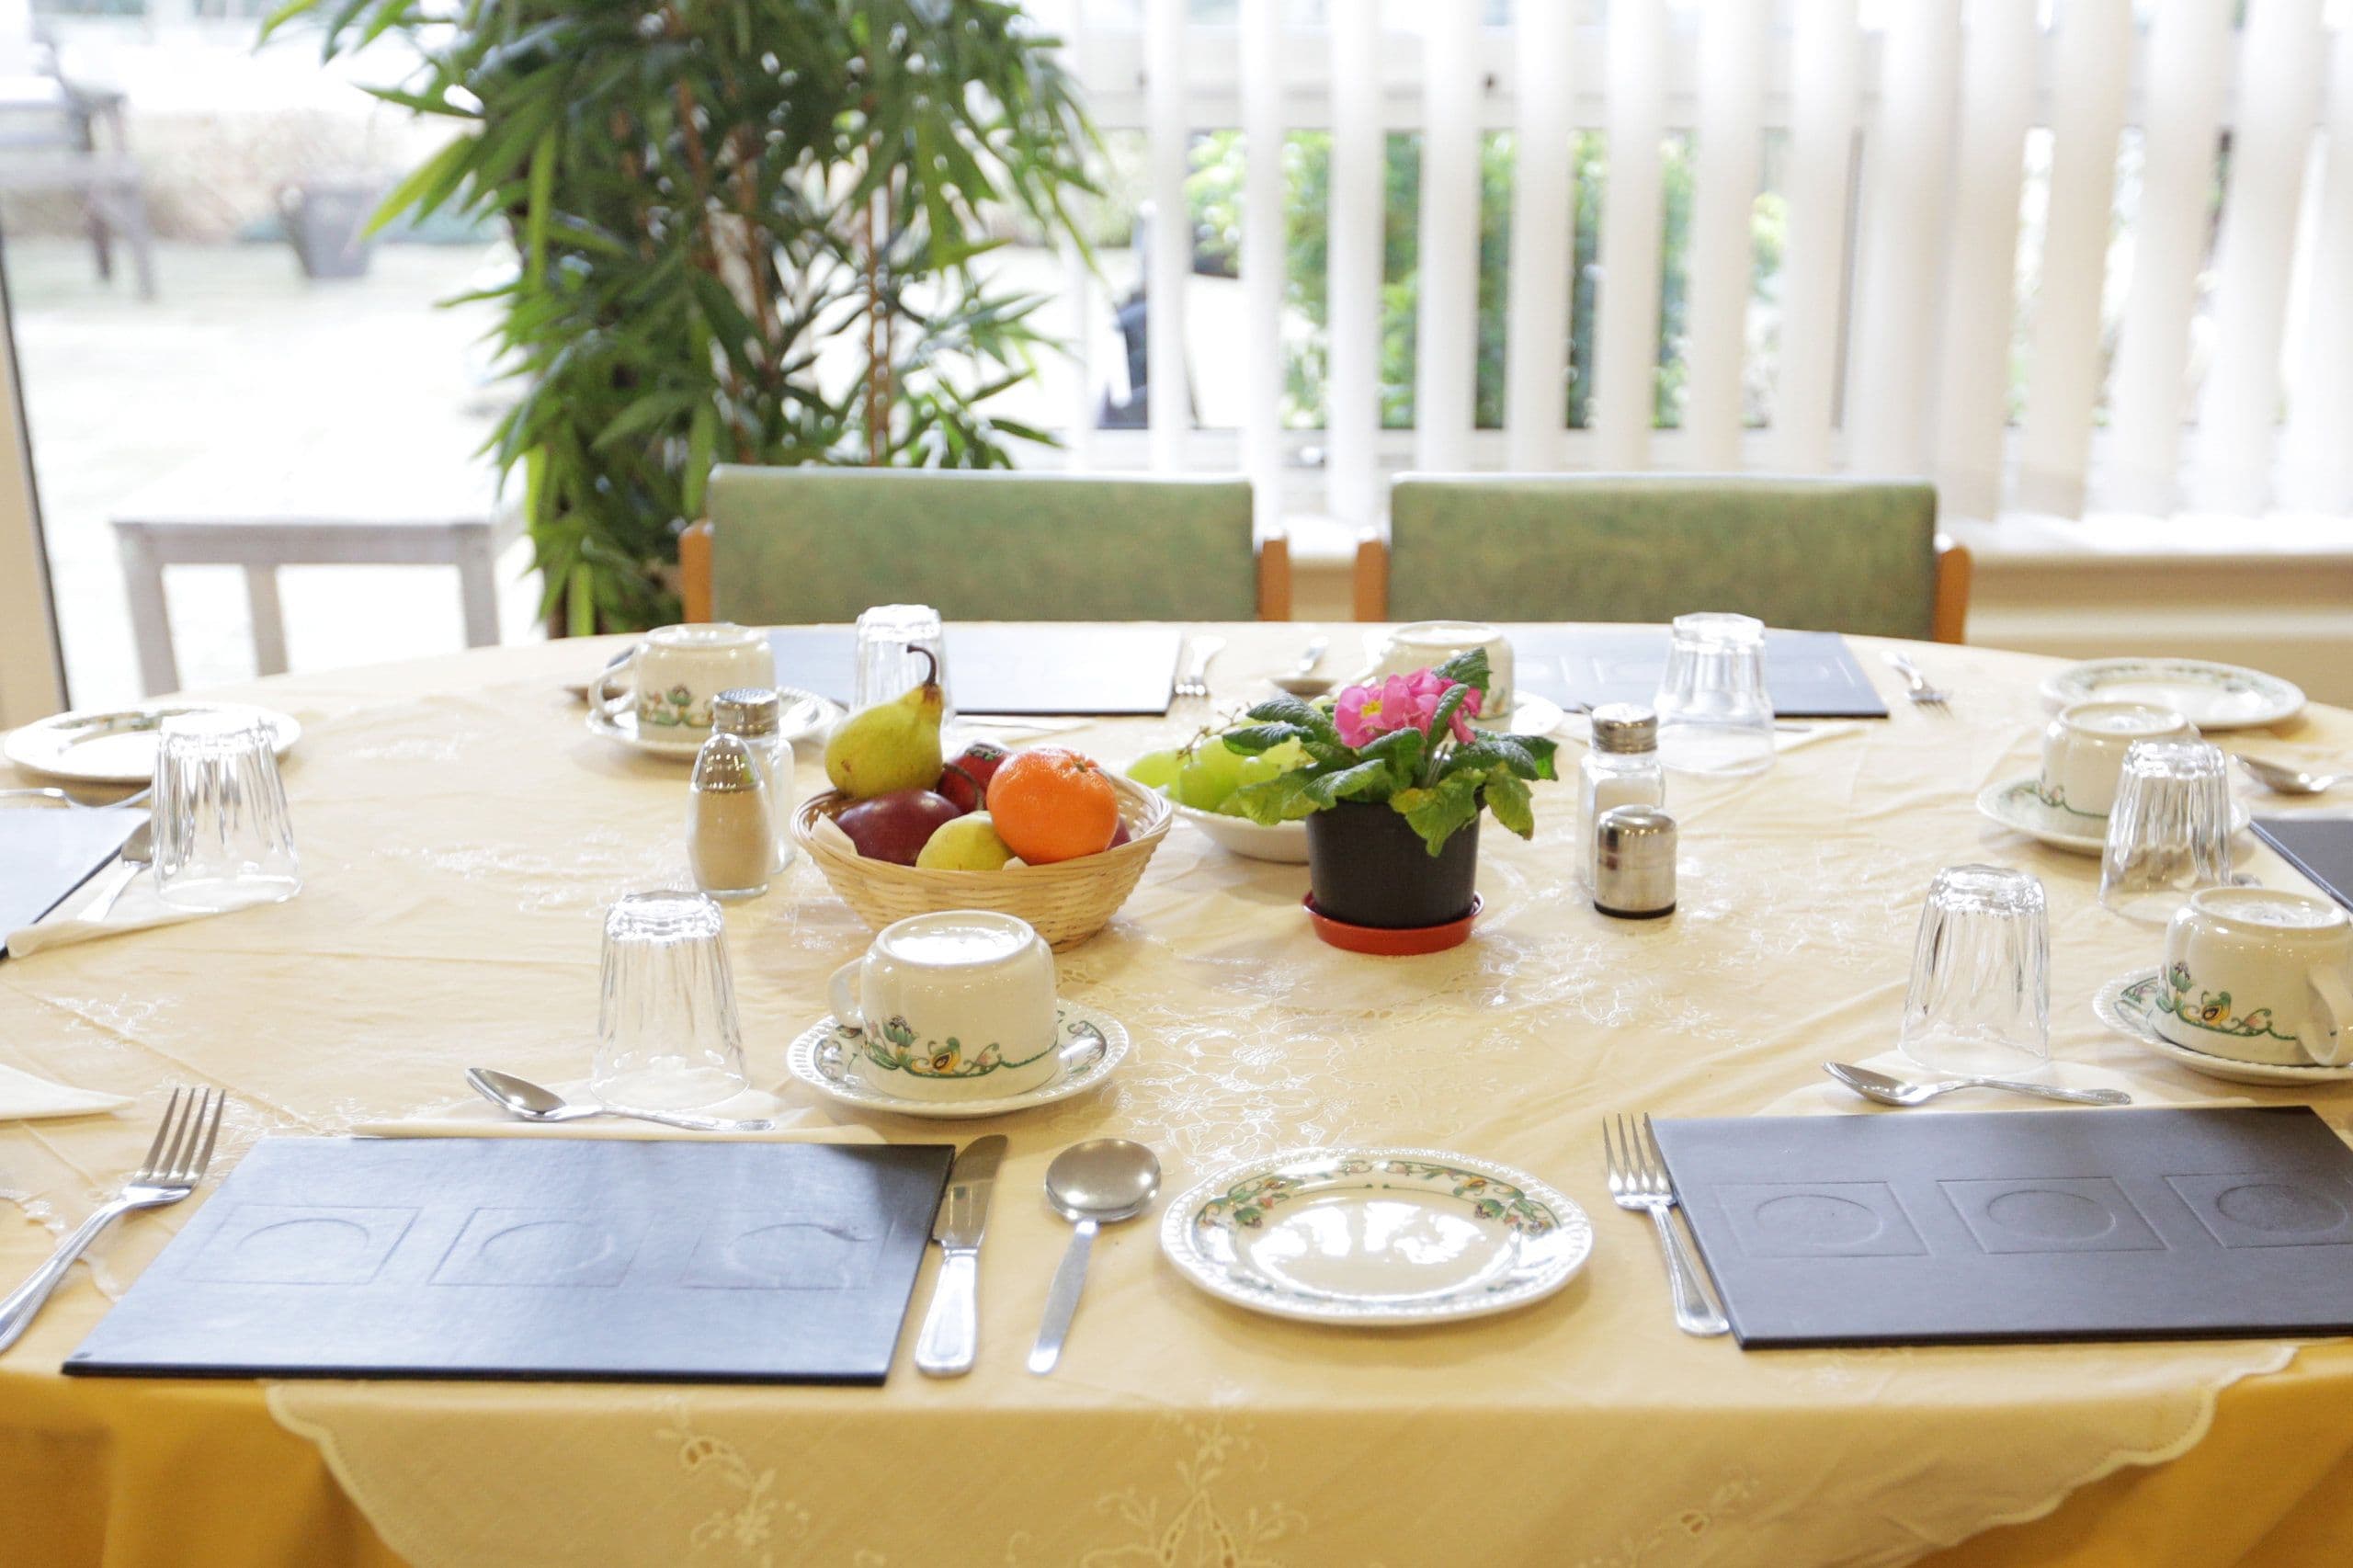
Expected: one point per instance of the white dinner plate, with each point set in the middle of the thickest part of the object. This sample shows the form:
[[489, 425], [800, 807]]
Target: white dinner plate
[[1375, 1237], [118, 746], [2210, 696], [2016, 806], [2129, 1004], [819, 1055], [1285, 842], [807, 716]]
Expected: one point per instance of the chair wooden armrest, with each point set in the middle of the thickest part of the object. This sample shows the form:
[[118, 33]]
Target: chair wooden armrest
[[1273, 579], [1370, 580], [1955, 567], [694, 571]]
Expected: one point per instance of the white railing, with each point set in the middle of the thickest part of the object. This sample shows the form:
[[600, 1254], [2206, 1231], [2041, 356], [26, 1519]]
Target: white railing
[[1909, 124]]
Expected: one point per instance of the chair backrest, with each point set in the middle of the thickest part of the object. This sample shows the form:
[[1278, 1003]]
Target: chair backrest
[[821, 544], [1827, 555]]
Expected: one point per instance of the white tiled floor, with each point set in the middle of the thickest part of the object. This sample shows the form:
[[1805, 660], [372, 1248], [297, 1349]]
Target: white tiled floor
[[239, 352]]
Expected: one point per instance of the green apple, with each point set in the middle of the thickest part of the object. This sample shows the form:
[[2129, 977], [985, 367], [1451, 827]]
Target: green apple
[[968, 843]]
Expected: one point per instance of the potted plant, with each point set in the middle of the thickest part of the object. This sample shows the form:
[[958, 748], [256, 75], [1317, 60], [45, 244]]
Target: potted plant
[[1392, 793]]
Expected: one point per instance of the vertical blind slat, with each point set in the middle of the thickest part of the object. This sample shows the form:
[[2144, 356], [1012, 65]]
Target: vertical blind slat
[[1352, 407], [1078, 288], [2189, 59], [1626, 328], [1731, 89], [2320, 412], [1263, 250], [2279, 91], [1981, 286], [1824, 67], [1907, 153], [1446, 332], [1536, 340], [2093, 57], [1170, 262]]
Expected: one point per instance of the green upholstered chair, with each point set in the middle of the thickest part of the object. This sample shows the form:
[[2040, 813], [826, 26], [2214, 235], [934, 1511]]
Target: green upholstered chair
[[786, 545], [1820, 554]]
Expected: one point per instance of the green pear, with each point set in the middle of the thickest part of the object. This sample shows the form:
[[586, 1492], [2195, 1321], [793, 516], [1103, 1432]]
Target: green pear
[[891, 745], [967, 844]]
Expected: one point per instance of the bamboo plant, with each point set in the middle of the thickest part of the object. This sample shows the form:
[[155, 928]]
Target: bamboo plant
[[708, 198]]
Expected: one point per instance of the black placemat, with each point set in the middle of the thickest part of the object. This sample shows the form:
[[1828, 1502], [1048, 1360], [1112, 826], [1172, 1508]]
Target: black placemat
[[1920, 1229], [47, 851], [2320, 847], [1033, 668], [577, 1259], [1812, 674]]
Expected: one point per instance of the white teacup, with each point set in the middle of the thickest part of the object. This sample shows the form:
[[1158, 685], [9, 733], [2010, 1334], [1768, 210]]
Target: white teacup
[[671, 675], [2084, 747], [2259, 976], [958, 1005], [1426, 644]]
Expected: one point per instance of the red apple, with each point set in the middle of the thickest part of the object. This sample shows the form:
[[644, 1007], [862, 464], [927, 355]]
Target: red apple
[[1119, 834], [895, 826], [966, 779]]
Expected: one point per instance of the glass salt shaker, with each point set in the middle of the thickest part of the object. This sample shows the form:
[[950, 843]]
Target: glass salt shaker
[[756, 714], [731, 834], [1620, 769]]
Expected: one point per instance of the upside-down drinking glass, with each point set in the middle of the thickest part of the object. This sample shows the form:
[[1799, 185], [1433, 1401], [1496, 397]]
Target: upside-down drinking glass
[[222, 839], [667, 1038], [2169, 832], [891, 641], [1980, 997], [1714, 713]]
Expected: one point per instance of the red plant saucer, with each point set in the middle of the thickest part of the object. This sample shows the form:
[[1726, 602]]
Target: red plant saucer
[[1390, 942]]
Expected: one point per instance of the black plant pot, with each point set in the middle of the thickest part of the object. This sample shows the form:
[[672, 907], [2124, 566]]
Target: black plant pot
[[1367, 867]]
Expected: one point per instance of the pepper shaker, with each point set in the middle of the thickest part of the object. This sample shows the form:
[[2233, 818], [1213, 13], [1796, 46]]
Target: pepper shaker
[[1633, 863]]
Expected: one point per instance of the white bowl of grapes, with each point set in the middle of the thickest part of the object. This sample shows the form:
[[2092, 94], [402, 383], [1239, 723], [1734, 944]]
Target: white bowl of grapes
[[1200, 778]]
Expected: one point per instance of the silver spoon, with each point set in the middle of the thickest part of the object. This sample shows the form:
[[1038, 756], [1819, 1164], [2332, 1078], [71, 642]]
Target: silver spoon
[[1895, 1091], [1090, 1184], [1303, 681], [2287, 780], [532, 1102], [136, 854]]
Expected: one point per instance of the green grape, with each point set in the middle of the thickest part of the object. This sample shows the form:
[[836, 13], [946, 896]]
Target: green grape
[[1209, 779], [1155, 768]]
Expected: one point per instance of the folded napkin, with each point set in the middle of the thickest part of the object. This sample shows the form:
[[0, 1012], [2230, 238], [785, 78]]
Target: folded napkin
[[136, 910], [24, 1097], [477, 1118]]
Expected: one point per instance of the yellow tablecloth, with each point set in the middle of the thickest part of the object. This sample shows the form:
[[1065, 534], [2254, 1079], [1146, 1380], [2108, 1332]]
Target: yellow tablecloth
[[461, 835]]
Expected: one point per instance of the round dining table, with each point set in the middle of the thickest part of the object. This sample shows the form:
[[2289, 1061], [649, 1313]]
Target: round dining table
[[461, 833]]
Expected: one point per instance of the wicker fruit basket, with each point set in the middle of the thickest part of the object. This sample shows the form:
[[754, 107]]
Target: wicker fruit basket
[[1067, 902]]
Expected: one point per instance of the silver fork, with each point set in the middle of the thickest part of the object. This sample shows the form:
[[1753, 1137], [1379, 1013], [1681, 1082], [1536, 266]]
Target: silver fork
[[1193, 679], [1638, 1180], [1916, 686], [175, 1164]]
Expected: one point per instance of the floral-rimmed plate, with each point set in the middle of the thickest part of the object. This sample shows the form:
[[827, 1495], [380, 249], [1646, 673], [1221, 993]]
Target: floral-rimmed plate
[[118, 746], [819, 1058], [2129, 1006], [807, 716], [2210, 696], [2015, 805], [1375, 1237]]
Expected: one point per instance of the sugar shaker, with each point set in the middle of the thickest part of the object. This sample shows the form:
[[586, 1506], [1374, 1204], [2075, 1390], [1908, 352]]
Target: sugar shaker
[[756, 714]]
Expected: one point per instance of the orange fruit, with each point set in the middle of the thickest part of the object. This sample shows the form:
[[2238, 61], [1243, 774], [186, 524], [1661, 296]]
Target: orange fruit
[[1050, 804]]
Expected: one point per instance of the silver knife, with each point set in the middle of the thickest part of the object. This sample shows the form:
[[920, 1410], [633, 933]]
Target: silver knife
[[951, 1328]]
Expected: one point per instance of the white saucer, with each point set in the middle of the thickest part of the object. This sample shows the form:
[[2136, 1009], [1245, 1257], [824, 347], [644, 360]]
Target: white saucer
[[2016, 806], [820, 1047], [807, 716], [2210, 696], [118, 746], [1375, 1237], [1284, 842], [1534, 715], [2126, 1005]]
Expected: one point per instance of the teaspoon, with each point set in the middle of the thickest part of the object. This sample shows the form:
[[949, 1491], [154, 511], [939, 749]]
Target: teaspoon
[[1302, 680], [534, 1102], [1895, 1091], [1090, 1184], [2287, 780], [134, 856]]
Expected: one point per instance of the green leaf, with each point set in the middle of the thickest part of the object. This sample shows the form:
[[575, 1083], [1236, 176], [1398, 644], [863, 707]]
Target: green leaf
[[540, 202], [1470, 668], [1253, 739], [1288, 710], [1507, 797], [1284, 798], [428, 186], [1365, 781], [1440, 811]]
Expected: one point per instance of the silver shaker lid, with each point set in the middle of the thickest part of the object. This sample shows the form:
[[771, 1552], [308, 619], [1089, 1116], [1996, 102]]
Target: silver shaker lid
[[1623, 728], [747, 711], [724, 766], [1634, 861]]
